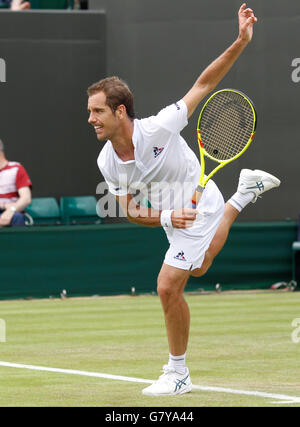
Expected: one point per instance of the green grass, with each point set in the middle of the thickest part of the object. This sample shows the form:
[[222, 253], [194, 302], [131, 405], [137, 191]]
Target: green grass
[[237, 340]]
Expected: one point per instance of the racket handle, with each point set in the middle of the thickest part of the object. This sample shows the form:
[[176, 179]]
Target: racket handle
[[197, 196]]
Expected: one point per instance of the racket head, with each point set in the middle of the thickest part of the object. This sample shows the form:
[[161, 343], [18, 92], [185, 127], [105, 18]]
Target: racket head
[[226, 125]]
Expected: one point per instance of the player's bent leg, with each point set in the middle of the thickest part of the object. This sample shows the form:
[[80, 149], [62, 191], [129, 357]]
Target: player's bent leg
[[218, 241], [252, 184]]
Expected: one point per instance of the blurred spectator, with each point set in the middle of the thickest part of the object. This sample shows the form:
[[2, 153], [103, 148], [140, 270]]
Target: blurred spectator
[[15, 4], [19, 5], [81, 4], [15, 191], [43, 4]]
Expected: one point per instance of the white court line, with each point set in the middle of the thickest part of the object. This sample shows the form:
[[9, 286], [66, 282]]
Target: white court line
[[280, 398]]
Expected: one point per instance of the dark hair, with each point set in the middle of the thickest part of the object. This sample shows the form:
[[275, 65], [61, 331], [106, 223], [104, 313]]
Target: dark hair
[[117, 93]]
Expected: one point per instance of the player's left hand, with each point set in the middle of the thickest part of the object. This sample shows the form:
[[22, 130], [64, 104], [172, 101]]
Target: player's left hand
[[246, 21], [184, 218]]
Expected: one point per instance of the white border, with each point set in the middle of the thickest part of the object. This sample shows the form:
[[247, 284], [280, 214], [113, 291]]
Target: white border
[[280, 398]]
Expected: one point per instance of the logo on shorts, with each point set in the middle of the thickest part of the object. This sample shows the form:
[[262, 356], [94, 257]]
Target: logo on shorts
[[157, 151], [177, 106], [180, 256]]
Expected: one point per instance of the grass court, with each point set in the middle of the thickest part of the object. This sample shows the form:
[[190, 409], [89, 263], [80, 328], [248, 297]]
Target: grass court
[[241, 350]]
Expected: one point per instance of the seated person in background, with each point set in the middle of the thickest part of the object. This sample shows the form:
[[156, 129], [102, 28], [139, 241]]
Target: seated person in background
[[81, 4], [15, 4], [19, 5], [24, 4], [15, 192]]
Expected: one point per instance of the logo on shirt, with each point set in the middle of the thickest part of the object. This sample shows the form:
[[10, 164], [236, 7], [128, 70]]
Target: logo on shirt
[[180, 256], [157, 151], [177, 106]]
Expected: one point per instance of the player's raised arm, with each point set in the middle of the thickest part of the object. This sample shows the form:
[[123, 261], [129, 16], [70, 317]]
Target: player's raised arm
[[215, 72]]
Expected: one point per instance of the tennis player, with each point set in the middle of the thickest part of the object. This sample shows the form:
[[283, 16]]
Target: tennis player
[[142, 154]]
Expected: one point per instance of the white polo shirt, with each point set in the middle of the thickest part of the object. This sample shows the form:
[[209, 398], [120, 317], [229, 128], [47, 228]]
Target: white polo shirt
[[165, 170]]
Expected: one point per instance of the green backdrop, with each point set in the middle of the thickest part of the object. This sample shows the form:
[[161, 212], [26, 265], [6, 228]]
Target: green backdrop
[[111, 259]]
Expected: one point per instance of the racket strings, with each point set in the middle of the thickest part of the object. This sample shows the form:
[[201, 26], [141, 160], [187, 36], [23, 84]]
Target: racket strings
[[226, 125], [227, 137]]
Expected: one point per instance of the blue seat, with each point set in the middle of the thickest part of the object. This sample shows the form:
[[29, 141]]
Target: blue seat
[[79, 210], [44, 211], [52, 4]]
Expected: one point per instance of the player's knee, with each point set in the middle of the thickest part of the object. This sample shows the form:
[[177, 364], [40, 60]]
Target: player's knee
[[167, 287], [164, 292]]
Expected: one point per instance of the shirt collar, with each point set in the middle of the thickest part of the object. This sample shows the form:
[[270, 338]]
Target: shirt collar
[[137, 160]]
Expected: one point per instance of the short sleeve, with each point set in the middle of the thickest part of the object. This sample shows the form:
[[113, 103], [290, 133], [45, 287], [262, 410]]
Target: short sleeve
[[173, 118], [22, 179]]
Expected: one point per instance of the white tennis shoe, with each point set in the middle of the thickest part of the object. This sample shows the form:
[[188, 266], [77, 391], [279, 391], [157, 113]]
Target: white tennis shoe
[[170, 383], [256, 181]]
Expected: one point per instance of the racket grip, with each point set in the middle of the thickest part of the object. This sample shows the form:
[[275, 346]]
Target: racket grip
[[197, 196]]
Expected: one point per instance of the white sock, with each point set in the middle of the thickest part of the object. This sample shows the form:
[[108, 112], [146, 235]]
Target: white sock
[[178, 362], [239, 200]]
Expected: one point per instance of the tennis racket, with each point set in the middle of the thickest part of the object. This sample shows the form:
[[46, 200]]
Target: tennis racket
[[226, 128]]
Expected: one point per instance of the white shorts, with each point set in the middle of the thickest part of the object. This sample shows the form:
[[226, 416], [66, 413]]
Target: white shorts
[[188, 245]]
